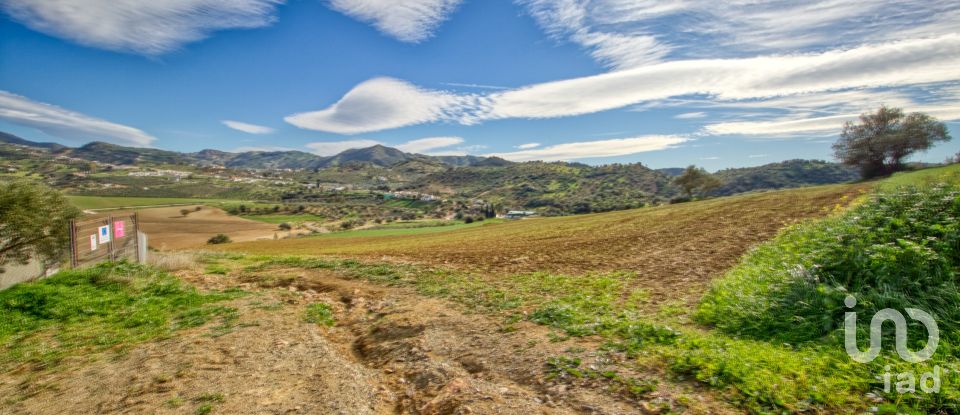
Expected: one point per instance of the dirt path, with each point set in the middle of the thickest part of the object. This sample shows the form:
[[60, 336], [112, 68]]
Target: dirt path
[[390, 352]]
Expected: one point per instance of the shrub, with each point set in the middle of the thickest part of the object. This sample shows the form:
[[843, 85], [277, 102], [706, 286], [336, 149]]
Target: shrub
[[468, 219], [900, 249], [285, 226], [218, 239]]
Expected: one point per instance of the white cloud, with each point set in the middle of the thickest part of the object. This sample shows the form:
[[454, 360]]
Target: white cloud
[[592, 149], [247, 128], [430, 143], [689, 115], [406, 20], [625, 33], [380, 104], [758, 156], [891, 64], [710, 158], [618, 48], [828, 125], [384, 103], [528, 146], [67, 124], [331, 148], [146, 27]]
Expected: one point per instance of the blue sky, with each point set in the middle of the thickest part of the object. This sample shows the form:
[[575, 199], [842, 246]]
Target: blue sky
[[666, 84]]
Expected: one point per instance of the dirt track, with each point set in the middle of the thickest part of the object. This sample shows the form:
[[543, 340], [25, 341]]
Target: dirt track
[[391, 351]]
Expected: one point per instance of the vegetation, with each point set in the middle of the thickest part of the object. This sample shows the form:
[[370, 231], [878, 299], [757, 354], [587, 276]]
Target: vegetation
[[320, 313], [880, 142], [696, 179], [94, 309], [218, 239], [782, 175], [34, 222]]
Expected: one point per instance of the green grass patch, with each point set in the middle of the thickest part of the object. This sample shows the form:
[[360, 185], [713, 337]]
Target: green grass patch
[[111, 305], [320, 313]]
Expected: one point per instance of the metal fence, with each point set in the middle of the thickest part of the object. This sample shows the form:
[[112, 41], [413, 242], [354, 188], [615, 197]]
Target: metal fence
[[105, 239]]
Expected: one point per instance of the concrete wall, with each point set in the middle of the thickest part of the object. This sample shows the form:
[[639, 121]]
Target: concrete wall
[[16, 273]]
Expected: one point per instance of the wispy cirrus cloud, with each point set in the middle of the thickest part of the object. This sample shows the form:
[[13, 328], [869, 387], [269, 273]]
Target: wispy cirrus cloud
[[628, 33], [430, 143], [248, 128], [143, 27], [405, 20], [384, 103], [528, 146], [67, 124], [690, 115], [594, 149]]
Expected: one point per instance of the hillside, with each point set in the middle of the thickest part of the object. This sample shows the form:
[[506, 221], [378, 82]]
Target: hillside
[[786, 174]]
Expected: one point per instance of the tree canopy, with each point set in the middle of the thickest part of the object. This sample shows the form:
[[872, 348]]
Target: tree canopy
[[696, 179], [880, 142], [34, 222]]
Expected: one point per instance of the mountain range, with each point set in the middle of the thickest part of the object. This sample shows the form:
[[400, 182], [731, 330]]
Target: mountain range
[[377, 155], [559, 187]]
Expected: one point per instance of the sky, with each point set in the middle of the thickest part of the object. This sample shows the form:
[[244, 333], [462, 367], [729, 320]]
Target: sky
[[667, 84]]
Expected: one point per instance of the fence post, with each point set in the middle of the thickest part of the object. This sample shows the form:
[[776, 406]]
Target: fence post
[[73, 243]]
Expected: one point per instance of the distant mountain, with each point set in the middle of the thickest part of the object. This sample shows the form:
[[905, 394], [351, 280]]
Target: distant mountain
[[12, 139], [114, 154], [378, 155]]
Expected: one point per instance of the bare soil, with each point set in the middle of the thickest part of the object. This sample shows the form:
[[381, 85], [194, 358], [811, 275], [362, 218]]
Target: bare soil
[[390, 352], [168, 229]]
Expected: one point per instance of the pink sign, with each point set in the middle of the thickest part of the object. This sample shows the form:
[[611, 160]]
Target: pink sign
[[118, 229]]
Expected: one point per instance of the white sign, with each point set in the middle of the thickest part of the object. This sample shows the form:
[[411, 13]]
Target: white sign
[[104, 234], [93, 242]]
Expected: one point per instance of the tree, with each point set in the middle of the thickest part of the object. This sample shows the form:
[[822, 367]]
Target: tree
[[34, 222], [184, 212], [696, 179], [880, 141]]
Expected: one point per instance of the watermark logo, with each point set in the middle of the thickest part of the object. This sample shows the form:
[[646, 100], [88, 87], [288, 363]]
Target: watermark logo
[[929, 382]]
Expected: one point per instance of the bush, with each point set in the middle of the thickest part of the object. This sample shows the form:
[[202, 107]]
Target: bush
[[900, 249], [468, 219], [285, 226], [218, 239]]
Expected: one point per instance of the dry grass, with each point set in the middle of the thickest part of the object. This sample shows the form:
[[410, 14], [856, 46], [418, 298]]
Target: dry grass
[[173, 261]]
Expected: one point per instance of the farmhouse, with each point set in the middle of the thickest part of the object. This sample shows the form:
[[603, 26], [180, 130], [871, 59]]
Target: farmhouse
[[519, 214]]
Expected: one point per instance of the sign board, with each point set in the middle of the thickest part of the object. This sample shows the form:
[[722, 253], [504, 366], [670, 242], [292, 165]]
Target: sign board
[[104, 233], [118, 229], [93, 242]]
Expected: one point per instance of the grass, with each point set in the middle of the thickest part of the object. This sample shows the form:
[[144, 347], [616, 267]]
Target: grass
[[385, 231], [583, 243], [320, 313], [923, 177], [284, 218], [109, 306], [111, 202]]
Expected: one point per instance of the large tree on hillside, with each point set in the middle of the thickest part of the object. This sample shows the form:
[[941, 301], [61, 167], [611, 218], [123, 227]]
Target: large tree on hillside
[[696, 179], [34, 222], [880, 141]]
